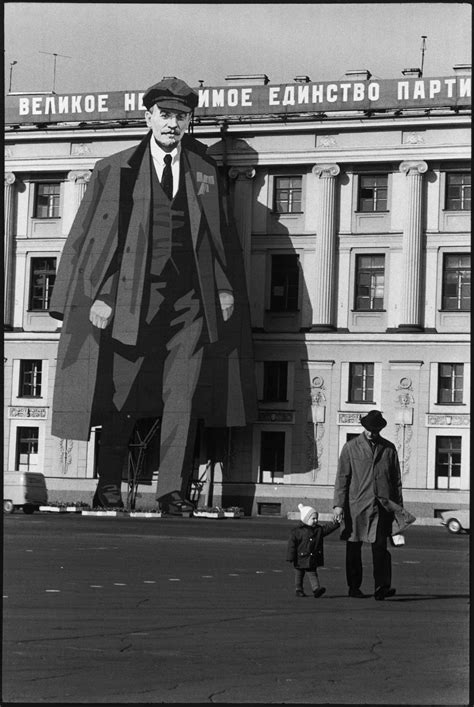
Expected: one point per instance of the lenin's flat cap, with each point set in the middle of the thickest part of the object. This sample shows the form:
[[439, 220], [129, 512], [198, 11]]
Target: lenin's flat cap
[[373, 421], [171, 93]]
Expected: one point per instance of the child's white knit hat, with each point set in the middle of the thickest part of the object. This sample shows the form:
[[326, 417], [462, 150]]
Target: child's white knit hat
[[305, 512]]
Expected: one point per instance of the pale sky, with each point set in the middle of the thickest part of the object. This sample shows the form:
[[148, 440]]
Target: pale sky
[[129, 46]]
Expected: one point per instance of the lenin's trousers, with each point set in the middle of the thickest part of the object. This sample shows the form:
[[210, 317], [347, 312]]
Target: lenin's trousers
[[160, 382], [382, 561]]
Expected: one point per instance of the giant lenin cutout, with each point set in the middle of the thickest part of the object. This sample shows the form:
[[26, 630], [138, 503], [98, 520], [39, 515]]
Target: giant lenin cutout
[[151, 290]]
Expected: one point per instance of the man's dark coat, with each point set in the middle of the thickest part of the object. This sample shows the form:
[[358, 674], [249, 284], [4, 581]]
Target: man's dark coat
[[105, 256]]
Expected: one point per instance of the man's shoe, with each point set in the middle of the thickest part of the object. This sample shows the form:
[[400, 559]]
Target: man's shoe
[[107, 496], [356, 594], [382, 593], [319, 592], [300, 593]]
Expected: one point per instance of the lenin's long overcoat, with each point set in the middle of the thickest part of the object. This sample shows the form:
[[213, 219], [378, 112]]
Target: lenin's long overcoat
[[362, 477], [106, 251]]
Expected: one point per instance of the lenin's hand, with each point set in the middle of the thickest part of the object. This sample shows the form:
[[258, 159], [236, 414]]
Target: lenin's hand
[[100, 314], [227, 304], [338, 513]]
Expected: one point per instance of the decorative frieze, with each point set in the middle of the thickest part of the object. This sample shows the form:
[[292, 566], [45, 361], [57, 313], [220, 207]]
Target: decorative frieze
[[439, 419], [242, 172], [349, 418], [27, 412]]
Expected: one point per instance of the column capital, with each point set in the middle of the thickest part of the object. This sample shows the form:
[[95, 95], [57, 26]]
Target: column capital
[[79, 176], [10, 178], [410, 167], [241, 173], [326, 171]]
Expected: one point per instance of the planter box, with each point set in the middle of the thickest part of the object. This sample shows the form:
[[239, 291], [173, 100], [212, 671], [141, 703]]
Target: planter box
[[110, 514], [202, 513], [52, 509], [233, 514], [144, 514], [73, 509]]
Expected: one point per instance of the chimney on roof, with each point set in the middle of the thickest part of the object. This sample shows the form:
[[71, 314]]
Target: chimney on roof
[[302, 79], [463, 69], [248, 79], [358, 74], [412, 72]]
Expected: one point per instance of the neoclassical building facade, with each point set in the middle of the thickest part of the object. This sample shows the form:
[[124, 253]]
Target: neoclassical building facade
[[355, 227]]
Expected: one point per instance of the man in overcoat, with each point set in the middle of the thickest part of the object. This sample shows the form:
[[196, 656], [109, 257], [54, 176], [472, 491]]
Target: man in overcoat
[[367, 490], [151, 290]]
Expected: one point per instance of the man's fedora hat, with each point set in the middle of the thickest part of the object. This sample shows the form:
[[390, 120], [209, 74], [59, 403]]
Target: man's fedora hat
[[373, 421], [171, 93]]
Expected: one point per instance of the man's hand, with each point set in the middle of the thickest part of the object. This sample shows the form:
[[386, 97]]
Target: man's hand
[[227, 304], [100, 314], [338, 513]]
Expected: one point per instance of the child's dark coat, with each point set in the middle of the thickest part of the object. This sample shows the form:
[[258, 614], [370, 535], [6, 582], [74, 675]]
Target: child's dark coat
[[305, 545]]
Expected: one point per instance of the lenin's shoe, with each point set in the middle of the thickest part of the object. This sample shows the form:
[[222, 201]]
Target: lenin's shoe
[[319, 592], [174, 504], [107, 496], [382, 593], [357, 594]]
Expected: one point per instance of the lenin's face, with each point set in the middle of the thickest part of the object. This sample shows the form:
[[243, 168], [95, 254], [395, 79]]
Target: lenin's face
[[168, 126]]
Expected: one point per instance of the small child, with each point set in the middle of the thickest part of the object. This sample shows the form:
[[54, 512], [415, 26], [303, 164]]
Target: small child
[[305, 549]]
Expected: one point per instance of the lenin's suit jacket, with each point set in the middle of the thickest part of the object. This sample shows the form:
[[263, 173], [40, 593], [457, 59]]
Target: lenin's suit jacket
[[106, 254]]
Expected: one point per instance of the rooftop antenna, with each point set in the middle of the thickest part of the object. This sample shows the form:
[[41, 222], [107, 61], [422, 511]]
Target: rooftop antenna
[[54, 64], [423, 49]]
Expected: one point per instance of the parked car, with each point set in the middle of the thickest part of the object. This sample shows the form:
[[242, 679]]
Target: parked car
[[24, 489], [456, 521]]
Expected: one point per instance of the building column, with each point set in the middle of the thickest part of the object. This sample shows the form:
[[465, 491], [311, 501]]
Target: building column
[[323, 313], [242, 208], [81, 179], [8, 206], [412, 241]]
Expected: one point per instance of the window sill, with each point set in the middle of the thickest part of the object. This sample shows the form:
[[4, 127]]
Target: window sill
[[368, 213], [360, 402], [454, 311], [368, 311], [450, 405]]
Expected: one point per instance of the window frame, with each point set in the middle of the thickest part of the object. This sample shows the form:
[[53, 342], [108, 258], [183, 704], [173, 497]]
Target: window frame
[[456, 383], [373, 175], [31, 439], [280, 371], [365, 389], [47, 289], [281, 456], [372, 272], [287, 284], [448, 440], [463, 188], [445, 270], [276, 190], [53, 200], [36, 373]]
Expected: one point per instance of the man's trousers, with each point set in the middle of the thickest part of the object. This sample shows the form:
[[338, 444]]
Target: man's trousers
[[381, 558]]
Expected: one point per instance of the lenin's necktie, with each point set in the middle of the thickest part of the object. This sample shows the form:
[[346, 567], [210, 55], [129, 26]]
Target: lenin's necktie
[[167, 178]]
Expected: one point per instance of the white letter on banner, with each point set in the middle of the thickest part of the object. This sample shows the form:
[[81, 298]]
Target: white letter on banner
[[129, 101], [435, 87], [204, 98], [233, 97], [359, 91], [76, 104], [465, 87], [140, 101], [373, 91], [289, 96], [331, 93], [63, 105], [36, 106], [402, 89], [49, 105], [317, 94], [345, 90], [89, 104], [450, 83], [303, 94], [24, 106], [246, 96], [218, 98], [273, 97], [101, 103], [419, 89]]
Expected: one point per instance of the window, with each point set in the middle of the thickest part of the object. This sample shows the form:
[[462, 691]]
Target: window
[[370, 279], [272, 457], [458, 191], [30, 379], [287, 199], [43, 275], [284, 285], [450, 383], [373, 190], [26, 448], [361, 383], [457, 282], [448, 462], [47, 200], [275, 375]]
